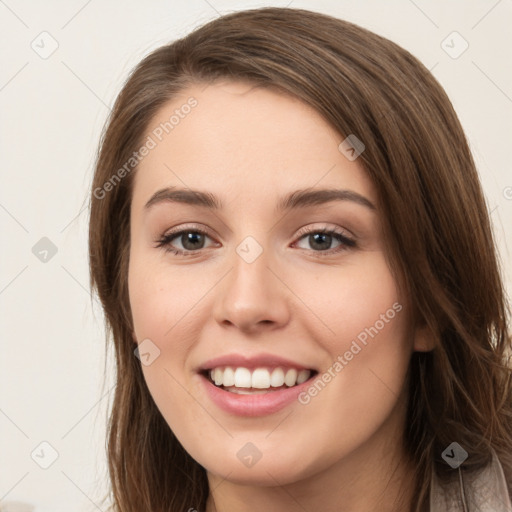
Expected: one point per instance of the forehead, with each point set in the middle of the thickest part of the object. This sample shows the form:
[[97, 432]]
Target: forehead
[[235, 138]]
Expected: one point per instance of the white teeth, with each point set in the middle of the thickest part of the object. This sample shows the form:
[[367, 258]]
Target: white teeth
[[277, 378], [291, 377], [303, 376], [218, 376], [259, 378], [242, 378], [229, 377]]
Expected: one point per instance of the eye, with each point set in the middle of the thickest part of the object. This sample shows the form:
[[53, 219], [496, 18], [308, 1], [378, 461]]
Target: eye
[[192, 240], [321, 239]]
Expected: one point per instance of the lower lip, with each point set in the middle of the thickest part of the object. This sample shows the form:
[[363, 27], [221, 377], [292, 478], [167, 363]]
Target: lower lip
[[253, 405]]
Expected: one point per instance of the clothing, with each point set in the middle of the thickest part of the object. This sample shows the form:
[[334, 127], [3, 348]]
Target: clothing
[[485, 491]]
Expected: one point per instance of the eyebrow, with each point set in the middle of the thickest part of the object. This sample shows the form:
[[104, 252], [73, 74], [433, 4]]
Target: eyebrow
[[297, 199]]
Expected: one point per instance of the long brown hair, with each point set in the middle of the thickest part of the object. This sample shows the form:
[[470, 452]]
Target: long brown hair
[[435, 217]]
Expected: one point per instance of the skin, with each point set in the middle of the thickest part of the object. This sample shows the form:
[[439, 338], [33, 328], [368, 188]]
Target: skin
[[249, 146]]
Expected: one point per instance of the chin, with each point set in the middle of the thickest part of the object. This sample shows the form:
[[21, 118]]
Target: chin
[[262, 474]]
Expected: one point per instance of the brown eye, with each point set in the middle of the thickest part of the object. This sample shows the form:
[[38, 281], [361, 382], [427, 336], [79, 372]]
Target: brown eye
[[321, 240], [191, 240]]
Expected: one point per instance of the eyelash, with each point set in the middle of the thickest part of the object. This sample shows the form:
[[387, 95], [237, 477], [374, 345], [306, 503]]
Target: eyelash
[[346, 242]]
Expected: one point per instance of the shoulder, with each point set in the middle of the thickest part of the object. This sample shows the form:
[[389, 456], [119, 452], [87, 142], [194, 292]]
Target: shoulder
[[485, 491]]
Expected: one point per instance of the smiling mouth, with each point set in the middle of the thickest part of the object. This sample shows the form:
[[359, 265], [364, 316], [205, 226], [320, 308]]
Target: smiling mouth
[[241, 381]]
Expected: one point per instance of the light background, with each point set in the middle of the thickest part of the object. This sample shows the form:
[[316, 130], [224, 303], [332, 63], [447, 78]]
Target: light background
[[52, 112]]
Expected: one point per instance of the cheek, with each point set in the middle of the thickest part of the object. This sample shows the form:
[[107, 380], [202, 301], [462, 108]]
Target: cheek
[[350, 299], [164, 305], [159, 297], [364, 332]]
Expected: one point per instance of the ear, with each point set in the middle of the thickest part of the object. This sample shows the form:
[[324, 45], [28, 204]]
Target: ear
[[424, 340]]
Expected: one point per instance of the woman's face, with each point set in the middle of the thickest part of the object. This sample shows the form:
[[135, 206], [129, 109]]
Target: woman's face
[[264, 288]]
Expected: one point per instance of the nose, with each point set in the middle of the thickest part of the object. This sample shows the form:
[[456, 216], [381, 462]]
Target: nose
[[253, 296]]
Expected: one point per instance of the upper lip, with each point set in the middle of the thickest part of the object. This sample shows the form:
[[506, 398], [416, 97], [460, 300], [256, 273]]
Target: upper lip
[[251, 362]]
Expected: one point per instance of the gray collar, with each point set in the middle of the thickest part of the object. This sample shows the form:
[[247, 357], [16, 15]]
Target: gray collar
[[484, 491]]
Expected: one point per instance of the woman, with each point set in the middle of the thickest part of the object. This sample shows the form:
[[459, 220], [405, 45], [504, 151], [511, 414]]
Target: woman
[[256, 369]]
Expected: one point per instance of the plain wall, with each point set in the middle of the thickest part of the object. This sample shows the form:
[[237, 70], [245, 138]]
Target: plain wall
[[52, 113]]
